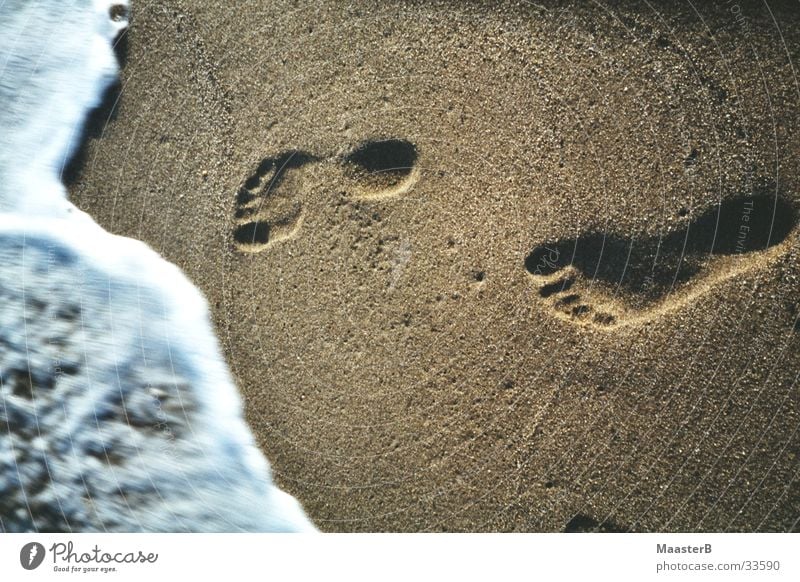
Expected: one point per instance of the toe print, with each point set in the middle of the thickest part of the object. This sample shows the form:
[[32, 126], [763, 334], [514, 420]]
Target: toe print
[[604, 279], [268, 205]]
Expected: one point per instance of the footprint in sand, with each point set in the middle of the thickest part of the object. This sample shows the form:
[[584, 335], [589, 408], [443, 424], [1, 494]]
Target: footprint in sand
[[606, 280], [582, 523], [382, 169], [270, 203], [268, 207]]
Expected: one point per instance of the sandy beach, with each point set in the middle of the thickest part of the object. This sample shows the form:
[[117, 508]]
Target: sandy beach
[[483, 266]]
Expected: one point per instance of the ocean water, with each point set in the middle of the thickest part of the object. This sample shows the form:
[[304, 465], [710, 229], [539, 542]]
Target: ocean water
[[56, 61], [117, 410]]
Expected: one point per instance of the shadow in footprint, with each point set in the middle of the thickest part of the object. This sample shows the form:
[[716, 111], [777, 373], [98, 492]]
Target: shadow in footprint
[[252, 233], [597, 277], [382, 168], [585, 524]]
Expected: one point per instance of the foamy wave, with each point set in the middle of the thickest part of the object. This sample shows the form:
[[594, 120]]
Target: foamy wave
[[117, 411], [56, 61]]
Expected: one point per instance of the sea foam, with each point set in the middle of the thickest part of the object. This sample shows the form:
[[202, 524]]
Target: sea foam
[[117, 411], [56, 61]]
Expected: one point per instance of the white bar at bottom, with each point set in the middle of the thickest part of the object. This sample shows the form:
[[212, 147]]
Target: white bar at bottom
[[379, 557]]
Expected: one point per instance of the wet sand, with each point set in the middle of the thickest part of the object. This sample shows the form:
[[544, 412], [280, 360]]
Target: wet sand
[[484, 266]]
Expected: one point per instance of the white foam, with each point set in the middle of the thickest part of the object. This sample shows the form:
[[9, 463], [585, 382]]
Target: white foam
[[133, 422], [56, 61]]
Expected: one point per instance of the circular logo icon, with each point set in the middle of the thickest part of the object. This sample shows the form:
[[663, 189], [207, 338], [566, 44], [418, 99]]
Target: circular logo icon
[[31, 555]]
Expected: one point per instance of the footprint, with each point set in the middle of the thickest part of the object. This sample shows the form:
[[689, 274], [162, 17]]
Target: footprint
[[270, 203], [604, 279], [382, 169], [582, 523]]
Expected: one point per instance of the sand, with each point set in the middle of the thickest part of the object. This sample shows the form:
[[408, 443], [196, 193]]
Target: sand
[[404, 364]]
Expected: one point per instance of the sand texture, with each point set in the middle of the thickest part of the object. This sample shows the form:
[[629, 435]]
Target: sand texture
[[482, 266]]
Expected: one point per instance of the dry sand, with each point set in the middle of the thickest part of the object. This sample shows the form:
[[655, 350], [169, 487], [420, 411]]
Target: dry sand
[[403, 366]]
